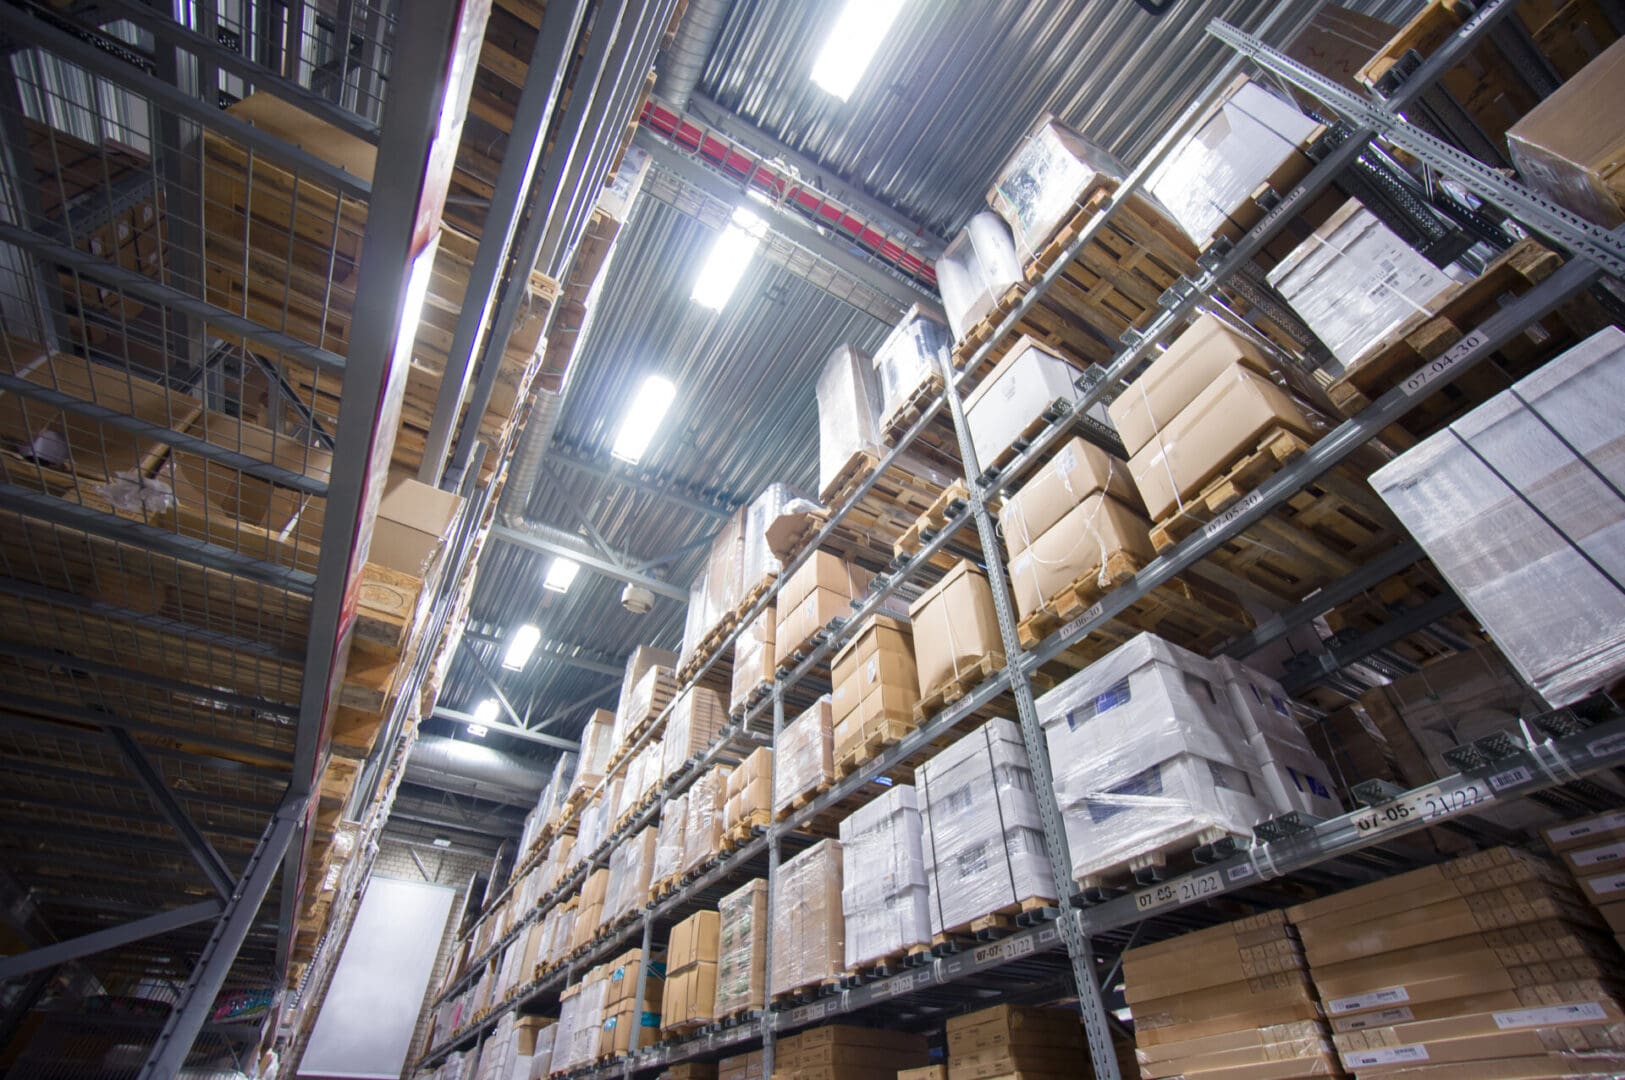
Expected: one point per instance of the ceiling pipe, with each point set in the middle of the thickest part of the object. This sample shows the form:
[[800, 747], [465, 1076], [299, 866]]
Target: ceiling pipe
[[483, 771], [679, 68]]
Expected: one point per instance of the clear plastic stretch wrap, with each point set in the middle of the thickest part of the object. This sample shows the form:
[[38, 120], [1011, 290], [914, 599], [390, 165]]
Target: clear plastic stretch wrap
[[1018, 392], [597, 743], [753, 659], [805, 758], [630, 865], [1353, 281], [558, 789], [981, 834], [1531, 536], [1051, 171], [1147, 756], [541, 1059], [750, 791], [760, 566], [884, 893], [630, 780], [693, 724], [975, 271], [1251, 138], [698, 617], [669, 845], [725, 568], [742, 949], [648, 695], [702, 831], [563, 931], [907, 361], [1567, 147], [590, 825], [807, 918], [848, 413]]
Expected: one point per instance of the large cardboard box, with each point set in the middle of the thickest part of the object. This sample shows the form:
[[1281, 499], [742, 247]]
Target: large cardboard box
[[413, 522], [879, 654], [754, 654], [413, 518], [807, 917], [1009, 1039], [693, 940], [690, 996], [1221, 423], [1572, 145], [1015, 394], [805, 759], [1339, 42], [1201, 353], [955, 626], [1076, 548], [741, 1067], [742, 949], [1078, 470], [750, 789]]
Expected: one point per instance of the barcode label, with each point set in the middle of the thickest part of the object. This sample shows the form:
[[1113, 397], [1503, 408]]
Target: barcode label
[[1555, 1014], [1392, 995], [1388, 1055], [1518, 775], [1381, 1018]]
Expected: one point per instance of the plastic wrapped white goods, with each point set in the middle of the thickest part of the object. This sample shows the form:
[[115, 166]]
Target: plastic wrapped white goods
[[541, 1059], [884, 893], [975, 271], [702, 831], [1050, 171], [1211, 176], [669, 844], [697, 618], [848, 413], [908, 360], [1517, 504], [725, 568], [981, 834], [760, 565], [1354, 282], [805, 756]]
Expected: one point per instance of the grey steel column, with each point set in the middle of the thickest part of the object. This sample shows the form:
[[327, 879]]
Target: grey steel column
[[768, 1018]]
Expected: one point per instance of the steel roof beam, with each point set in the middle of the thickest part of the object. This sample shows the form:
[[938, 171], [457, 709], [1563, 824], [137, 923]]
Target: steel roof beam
[[579, 656], [58, 658], [530, 734], [97, 718], [675, 492], [12, 967], [81, 776], [539, 542]]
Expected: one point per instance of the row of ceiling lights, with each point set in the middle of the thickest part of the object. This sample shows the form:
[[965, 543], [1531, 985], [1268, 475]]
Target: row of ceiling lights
[[852, 43]]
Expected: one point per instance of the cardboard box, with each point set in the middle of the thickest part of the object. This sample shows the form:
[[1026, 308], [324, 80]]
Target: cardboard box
[[526, 1029], [807, 915], [741, 1067], [1338, 43], [621, 984], [695, 1070], [1587, 832], [1572, 145], [1079, 469], [874, 680], [742, 949], [824, 570], [799, 623], [690, 996], [412, 524], [1051, 169], [750, 788], [1200, 354], [1223, 422], [1015, 394], [692, 941], [1075, 548], [754, 654], [954, 626], [1009, 1039], [924, 1072], [412, 521], [806, 756]]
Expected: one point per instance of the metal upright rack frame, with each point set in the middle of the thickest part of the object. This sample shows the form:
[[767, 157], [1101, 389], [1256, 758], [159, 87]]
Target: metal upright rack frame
[[1561, 746]]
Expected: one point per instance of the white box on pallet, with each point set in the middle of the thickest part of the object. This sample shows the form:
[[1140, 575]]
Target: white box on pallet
[[976, 270], [1294, 778], [884, 894], [1517, 504], [981, 834], [1017, 393], [1259, 703]]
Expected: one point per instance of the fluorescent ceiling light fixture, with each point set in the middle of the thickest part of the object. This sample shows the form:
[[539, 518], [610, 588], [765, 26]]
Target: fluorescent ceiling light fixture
[[441, 841], [478, 730], [485, 714], [852, 43], [561, 574], [725, 265], [521, 646], [642, 420]]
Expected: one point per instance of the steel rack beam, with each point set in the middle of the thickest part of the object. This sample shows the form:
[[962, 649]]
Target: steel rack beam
[[49, 956], [1341, 656], [121, 783], [514, 199], [139, 285], [1376, 571], [256, 75], [48, 36], [83, 713], [1582, 237], [55, 511], [208, 859], [57, 658], [421, 126], [1497, 330]]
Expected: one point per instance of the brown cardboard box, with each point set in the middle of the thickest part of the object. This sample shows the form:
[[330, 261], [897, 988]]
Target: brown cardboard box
[[1199, 355], [1078, 470], [800, 621], [413, 520], [1276, 999], [823, 570], [690, 996], [954, 626], [754, 654], [807, 913], [1008, 1039], [750, 788], [805, 757], [696, 1070], [1221, 423], [1572, 145], [411, 516], [526, 1028], [742, 949], [1227, 1041], [1587, 832], [924, 1072], [692, 941], [1338, 43], [622, 981], [741, 1067], [1074, 547]]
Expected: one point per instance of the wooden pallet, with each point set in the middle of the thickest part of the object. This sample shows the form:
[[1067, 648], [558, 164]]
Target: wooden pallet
[[1045, 322], [966, 678], [1322, 533], [807, 991], [743, 832], [935, 517], [1390, 599], [994, 924], [800, 799], [867, 533], [848, 477], [1404, 351], [908, 412], [887, 732], [1173, 857]]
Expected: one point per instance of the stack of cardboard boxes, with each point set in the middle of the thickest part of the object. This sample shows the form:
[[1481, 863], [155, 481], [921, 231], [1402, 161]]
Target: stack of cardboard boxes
[[955, 627], [1594, 851], [691, 973], [884, 896], [630, 866], [845, 1052], [702, 831], [741, 1067], [1008, 1040], [821, 589], [693, 724], [807, 918], [1492, 959], [874, 687], [621, 1014], [1204, 402], [647, 686], [750, 792], [1234, 997], [804, 762], [754, 662], [597, 743], [669, 843], [581, 1017], [590, 910], [1078, 517], [981, 835], [742, 950]]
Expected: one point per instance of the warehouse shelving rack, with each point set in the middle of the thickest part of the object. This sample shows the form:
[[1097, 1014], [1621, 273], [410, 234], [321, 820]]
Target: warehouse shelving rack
[[1559, 748]]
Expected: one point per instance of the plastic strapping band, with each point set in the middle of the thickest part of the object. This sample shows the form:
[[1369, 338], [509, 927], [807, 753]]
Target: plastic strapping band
[[1258, 855], [998, 803]]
